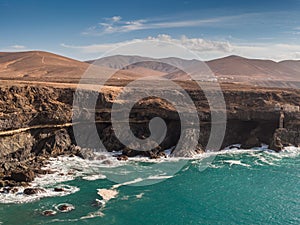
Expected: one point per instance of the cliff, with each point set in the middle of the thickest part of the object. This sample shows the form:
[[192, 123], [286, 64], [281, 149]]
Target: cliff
[[36, 123]]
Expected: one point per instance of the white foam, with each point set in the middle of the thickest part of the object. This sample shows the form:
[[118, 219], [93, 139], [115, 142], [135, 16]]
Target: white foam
[[137, 180], [94, 177], [19, 197], [290, 151], [233, 147], [93, 215], [236, 162], [140, 195], [67, 168], [215, 166], [158, 177]]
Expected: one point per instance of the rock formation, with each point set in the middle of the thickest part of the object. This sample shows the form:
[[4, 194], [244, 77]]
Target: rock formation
[[36, 123]]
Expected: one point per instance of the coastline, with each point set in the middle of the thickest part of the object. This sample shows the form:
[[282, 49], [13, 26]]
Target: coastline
[[36, 123]]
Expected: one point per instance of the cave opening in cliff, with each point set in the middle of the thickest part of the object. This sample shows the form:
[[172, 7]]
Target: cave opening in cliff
[[250, 133]]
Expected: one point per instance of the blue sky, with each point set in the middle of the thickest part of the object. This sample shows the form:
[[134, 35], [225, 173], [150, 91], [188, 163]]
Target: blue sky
[[86, 29]]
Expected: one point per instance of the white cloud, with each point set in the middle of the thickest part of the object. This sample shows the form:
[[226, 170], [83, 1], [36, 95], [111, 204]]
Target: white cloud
[[115, 18], [115, 24], [165, 45], [160, 46], [14, 48], [18, 47]]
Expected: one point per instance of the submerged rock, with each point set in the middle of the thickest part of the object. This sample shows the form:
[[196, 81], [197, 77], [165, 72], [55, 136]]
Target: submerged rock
[[97, 203], [280, 139], [57, 189], [122, 157], [251, 142], [65, 207], [49, 213], [33, 191]]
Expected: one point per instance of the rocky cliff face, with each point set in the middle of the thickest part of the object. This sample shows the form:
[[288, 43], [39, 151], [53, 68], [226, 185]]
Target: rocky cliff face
[[36, 123]]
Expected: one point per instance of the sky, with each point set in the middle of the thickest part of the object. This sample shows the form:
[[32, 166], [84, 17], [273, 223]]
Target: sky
[[211, 29]]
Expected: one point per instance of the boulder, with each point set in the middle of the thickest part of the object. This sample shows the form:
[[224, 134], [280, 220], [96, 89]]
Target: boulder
[[279, 140], [122, 157], [33, 191], [49, 213], [251, 142], [57, 189], [22, 176]]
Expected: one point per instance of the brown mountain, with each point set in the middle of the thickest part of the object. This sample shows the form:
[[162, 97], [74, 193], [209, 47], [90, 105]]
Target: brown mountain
[[231, 67], [45, 66], [291, 64], [237, 66], [37, 65]]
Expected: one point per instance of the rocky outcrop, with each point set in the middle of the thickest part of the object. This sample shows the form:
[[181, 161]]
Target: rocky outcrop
[[283, 137], [36, 123], [33, 191]]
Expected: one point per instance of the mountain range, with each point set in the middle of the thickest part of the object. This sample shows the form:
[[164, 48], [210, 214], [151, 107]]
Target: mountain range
[[37, 65]]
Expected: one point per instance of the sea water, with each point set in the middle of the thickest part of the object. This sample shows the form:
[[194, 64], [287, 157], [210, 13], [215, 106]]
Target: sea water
[[255, 186]]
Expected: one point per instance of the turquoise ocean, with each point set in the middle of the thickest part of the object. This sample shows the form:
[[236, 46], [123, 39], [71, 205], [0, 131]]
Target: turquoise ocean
[[238, 187]]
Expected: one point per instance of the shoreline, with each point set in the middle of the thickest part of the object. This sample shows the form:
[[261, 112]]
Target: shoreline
[[36, 123], [66, 169]]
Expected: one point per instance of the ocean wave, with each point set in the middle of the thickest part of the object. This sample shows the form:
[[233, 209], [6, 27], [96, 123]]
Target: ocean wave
[[236, 162], [137, 170], [19, 196], [71, 167]]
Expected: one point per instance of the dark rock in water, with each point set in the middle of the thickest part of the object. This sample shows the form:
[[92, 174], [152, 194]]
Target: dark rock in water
[[9, 183], [49, 213], [59, 189], [86, 153], [97, 203], [251, 142], [5, 190], [33, 191], [280, 139], [14, 190], [154, 155], [65, 207], [70, 172], [122, 157], [22, 176]]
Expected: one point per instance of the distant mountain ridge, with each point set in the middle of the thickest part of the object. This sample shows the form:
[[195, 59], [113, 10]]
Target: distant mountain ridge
[[38, 64], [233, 65]]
